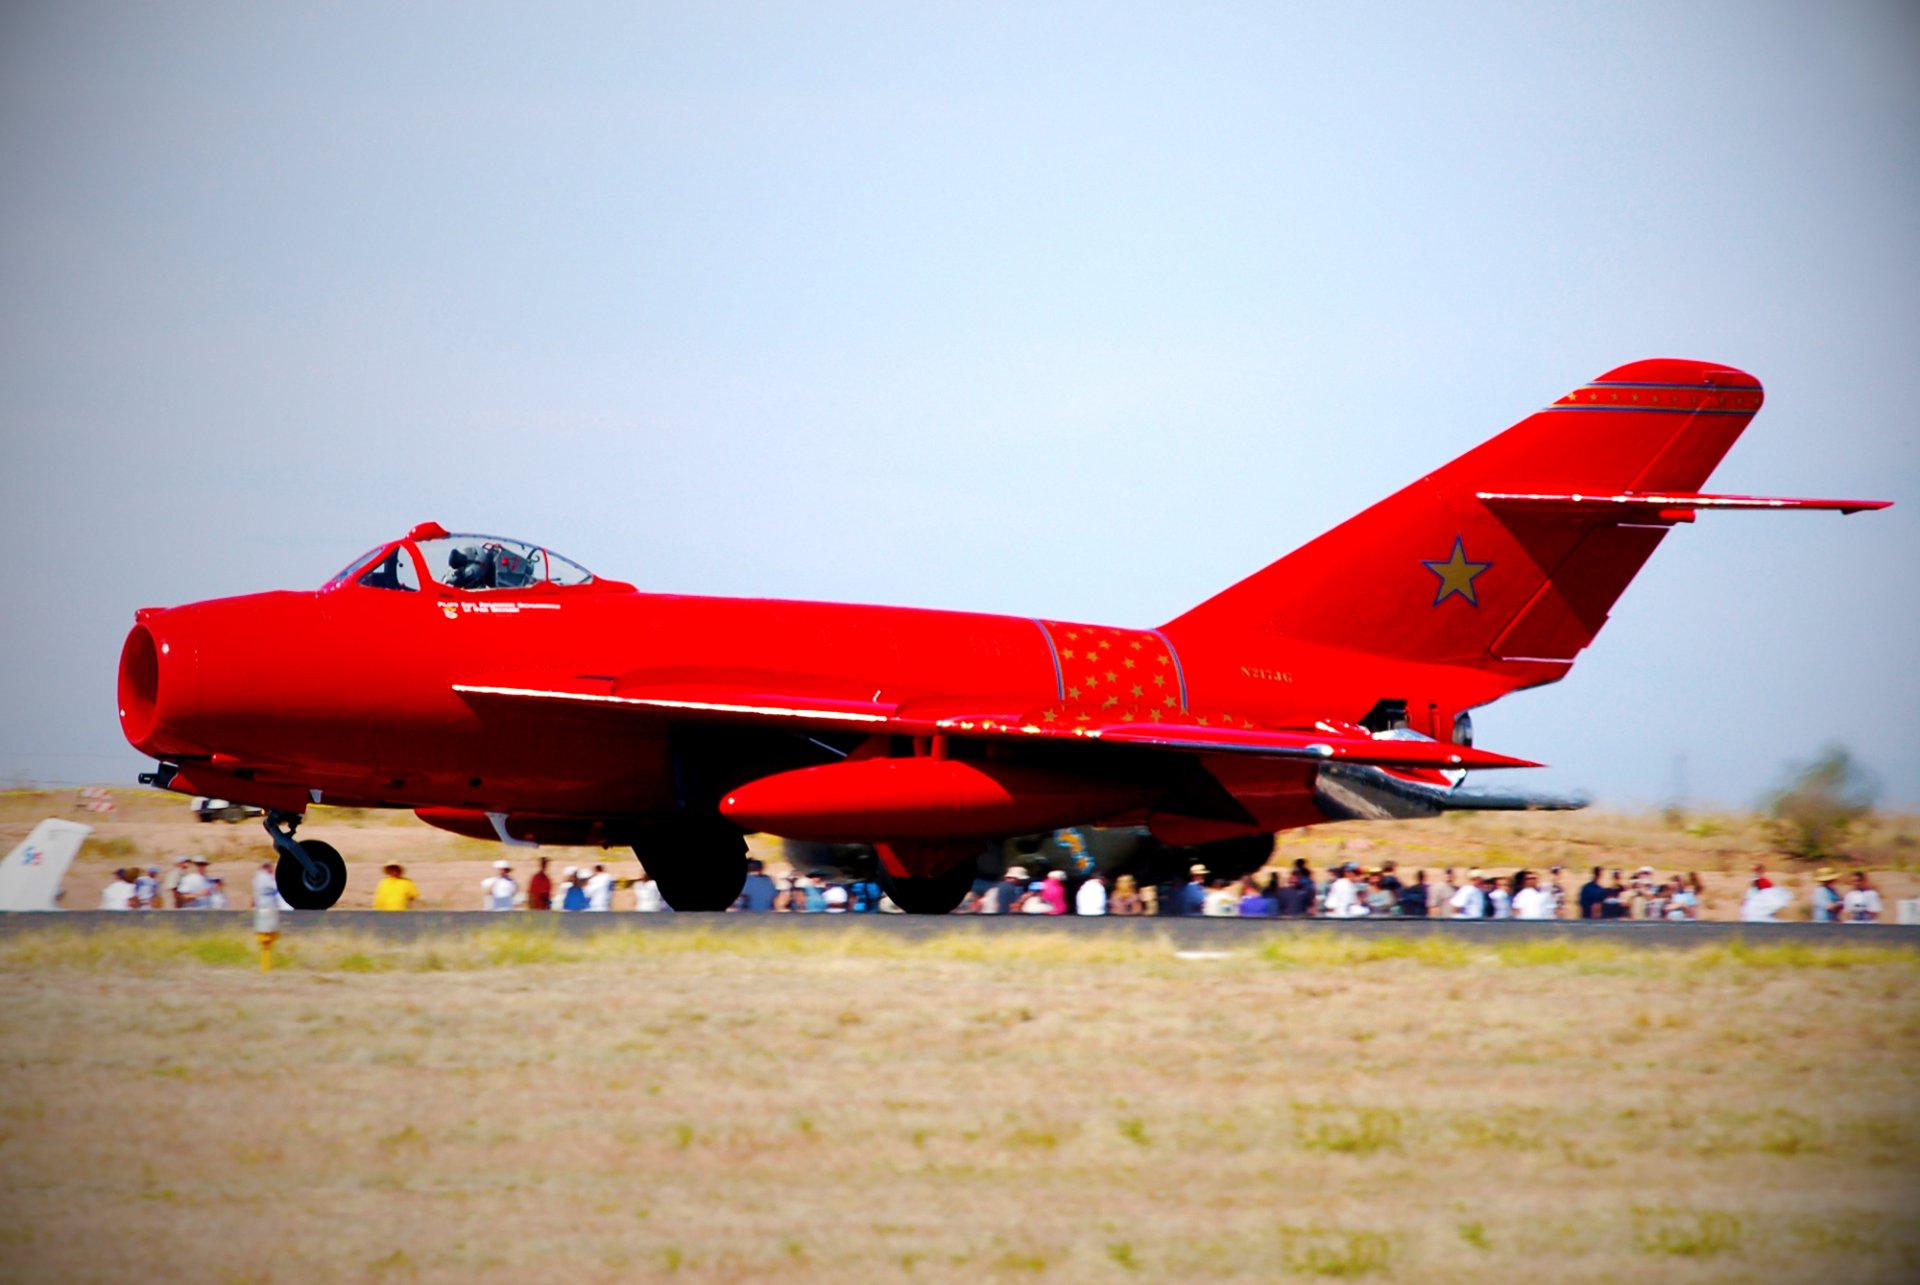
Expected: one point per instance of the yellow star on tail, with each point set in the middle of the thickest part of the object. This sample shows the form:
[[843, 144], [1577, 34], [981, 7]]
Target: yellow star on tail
[[1456, 575]]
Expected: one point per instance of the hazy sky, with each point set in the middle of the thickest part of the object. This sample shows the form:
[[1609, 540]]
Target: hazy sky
[[1078, 311]]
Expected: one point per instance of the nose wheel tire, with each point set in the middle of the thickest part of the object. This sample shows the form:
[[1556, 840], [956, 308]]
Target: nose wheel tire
[[937, 895], [315, 889]]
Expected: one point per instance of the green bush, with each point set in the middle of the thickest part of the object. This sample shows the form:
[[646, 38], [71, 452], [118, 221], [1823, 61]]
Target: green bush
[[1811, 813]]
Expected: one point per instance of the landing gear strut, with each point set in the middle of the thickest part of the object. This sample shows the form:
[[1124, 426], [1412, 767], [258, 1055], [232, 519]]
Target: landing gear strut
[[311, 874]]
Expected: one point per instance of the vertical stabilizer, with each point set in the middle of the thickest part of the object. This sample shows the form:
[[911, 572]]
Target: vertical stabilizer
[[30, 876], [1436, 573]]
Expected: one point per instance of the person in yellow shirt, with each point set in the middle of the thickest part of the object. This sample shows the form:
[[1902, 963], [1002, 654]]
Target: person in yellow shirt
[[396, 891]]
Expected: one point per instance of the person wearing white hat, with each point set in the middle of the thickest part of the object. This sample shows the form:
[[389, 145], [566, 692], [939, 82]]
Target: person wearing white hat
[[1005, 896], [170, 885], [498, 890], [1190, 898]]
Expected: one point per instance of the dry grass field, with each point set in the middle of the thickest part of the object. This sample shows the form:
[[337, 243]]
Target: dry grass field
[[147, 828], [853, 1106]]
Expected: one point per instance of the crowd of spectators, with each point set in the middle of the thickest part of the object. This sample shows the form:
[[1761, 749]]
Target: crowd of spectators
[[186, 885], [1346, 890]]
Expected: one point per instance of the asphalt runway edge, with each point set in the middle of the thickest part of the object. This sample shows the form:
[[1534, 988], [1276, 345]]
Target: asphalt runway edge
[[1184, 933]]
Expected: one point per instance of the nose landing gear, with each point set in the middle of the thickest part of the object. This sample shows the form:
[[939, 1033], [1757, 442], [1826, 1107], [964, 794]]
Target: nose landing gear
[[311, 873]]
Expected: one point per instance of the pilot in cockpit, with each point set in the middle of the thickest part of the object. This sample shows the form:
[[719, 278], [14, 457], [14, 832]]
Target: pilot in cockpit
[[472, 568]]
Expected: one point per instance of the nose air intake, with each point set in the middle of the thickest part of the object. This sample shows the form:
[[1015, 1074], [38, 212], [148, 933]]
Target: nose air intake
[[139, 685]]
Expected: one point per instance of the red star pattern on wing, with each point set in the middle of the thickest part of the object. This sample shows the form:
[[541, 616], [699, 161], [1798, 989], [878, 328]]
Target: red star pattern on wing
[[1117, 676]]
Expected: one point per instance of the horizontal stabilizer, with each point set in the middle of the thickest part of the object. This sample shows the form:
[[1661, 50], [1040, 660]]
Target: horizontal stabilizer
[[1477, 799], [1659, 506], [1305, 745], [1366, 793]]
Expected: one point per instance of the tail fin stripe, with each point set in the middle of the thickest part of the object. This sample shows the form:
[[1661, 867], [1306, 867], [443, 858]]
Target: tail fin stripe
[[1634, 383], [1648, 410]]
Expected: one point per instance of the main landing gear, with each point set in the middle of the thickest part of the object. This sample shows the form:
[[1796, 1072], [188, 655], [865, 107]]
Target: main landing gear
[[937, 895], [311, 874], [699, 863], [928, 878]]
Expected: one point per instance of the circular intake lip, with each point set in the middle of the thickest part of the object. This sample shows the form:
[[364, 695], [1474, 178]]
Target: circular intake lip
[[139, 685]]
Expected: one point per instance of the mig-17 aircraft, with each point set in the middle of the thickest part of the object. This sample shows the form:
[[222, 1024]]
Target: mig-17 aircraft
[[500, 690]]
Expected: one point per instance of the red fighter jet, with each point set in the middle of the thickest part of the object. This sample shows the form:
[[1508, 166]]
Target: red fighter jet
[[504, 692]]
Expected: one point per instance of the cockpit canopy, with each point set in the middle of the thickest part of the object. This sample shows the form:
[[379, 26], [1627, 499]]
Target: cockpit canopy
[[469, 562], [495, 562]]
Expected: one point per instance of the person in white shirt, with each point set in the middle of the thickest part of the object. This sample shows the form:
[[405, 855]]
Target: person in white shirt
[[1763, 901], [646, 895], [835, 896], [498, 890], [194, 886], [600, 889], [1862, 904], [1220, 903], [1532, 901], [1091, 898], [1343, 897], [216, 897], [1502, 900], [266, 889], [117, 895], [1471, 901]]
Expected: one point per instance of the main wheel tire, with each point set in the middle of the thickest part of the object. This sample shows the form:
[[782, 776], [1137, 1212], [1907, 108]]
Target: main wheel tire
[[937, 895], [698, 867], [316, 890]]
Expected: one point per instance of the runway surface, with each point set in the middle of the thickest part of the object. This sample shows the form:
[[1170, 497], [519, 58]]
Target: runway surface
[[1182, 933]]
